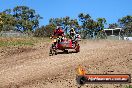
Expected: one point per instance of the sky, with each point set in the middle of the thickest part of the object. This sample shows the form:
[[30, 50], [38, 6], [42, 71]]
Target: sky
[[112, 10]]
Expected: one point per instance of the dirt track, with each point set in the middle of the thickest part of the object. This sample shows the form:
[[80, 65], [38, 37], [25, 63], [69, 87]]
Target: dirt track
[[32, 67]]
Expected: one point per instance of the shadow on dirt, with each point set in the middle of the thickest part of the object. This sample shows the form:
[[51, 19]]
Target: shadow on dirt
[[69, 52]]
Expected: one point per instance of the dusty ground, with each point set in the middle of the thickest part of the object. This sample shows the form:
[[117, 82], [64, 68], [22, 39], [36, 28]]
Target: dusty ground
[[32, 67]]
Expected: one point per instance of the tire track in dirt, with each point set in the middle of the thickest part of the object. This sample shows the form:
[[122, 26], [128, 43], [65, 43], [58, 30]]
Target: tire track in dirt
[[41, 71]]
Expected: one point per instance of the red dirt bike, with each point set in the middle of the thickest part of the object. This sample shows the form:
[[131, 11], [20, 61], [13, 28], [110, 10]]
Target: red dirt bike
[[64, 45]]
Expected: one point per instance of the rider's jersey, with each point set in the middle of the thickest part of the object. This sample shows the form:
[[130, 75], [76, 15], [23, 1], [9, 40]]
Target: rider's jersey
[[58, 32]]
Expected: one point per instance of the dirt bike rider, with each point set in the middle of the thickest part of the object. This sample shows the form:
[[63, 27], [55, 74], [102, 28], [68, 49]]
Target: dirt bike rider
[[72, 34], [58, 35]]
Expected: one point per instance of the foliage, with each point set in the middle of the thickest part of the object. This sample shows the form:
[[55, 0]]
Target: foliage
[[22, 41], [113, 25], [129, 86], [44, 31], [126, 24], [25, 19], [21, 18], [66, 23], [91, 27], [8, 22], [15, 42]]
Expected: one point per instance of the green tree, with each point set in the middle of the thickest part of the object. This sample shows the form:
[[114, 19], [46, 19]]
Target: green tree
[[101, 22], [8, 21], [113, 25], [126, 24], [56, 21], [49, 30], [65, 22], [99, 28], [1, 22], [91, 27], [27, 19], [45, 31], [84, 18], [88, 25]]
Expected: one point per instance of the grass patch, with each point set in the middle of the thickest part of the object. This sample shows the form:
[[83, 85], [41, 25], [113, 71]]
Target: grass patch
[[15, 43], [27, 41], [129, 86]]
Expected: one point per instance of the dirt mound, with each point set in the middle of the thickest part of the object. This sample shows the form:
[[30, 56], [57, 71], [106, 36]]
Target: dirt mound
[[14, 50], [34, 68]]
